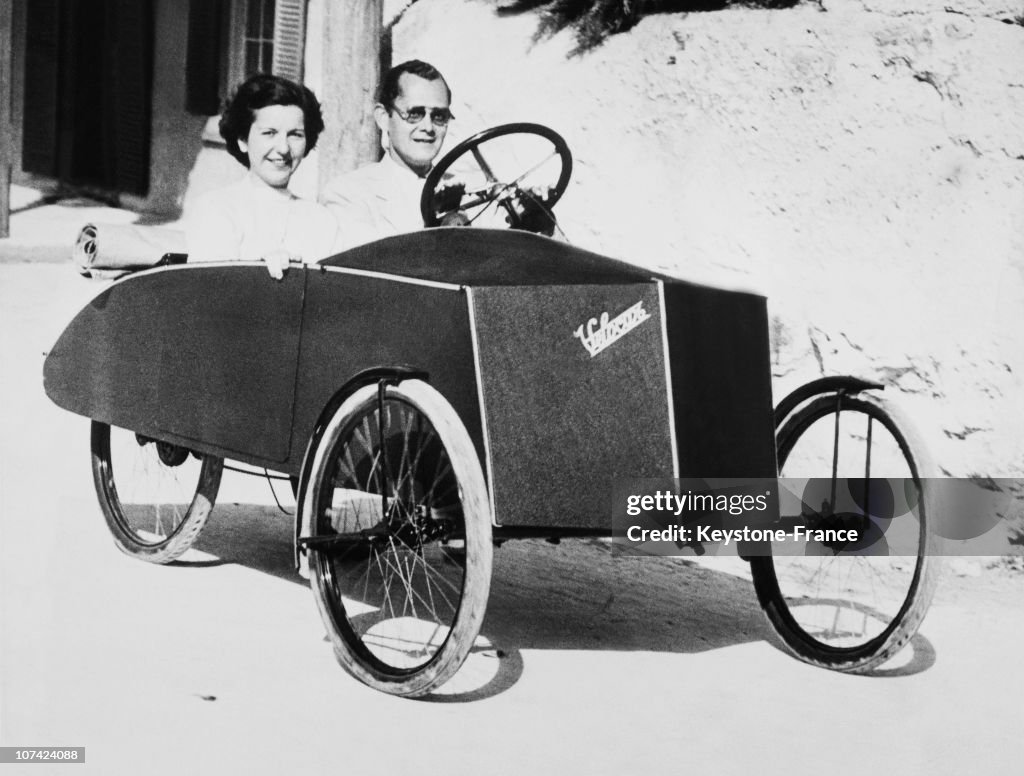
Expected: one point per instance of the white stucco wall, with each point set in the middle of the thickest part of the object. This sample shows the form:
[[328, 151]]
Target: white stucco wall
[[860, 162]]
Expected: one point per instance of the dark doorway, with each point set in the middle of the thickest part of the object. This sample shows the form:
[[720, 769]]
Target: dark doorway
[[88, 86]]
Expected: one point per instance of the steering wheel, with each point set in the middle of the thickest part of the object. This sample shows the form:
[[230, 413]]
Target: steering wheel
[[457, 192]]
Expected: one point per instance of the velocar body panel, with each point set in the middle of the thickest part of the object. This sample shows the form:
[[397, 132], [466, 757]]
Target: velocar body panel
[[567, 368]]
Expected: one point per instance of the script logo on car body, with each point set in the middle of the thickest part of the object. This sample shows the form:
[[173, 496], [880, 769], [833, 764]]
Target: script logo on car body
[[599, 334]]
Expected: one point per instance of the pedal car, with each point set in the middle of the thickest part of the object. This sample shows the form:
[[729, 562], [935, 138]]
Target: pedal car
[[435, 392]]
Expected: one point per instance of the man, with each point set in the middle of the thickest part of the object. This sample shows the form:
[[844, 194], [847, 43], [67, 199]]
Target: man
[[384, 198]]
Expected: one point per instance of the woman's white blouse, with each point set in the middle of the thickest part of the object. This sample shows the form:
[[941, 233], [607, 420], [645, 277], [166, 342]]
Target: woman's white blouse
[[248, 220]]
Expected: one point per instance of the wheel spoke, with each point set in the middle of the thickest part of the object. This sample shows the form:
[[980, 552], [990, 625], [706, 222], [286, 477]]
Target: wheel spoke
[[535, 167], [485, 168]]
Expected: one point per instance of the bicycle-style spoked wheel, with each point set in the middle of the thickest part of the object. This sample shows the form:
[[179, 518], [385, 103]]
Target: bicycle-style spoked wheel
[[155, 496], [400, 546], [853, 611]]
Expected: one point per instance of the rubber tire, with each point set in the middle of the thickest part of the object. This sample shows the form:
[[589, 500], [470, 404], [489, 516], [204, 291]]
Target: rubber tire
[[867, 656], [124, 537], [478, 537]]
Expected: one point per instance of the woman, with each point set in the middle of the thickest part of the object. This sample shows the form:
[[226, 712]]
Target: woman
[[270, 125]]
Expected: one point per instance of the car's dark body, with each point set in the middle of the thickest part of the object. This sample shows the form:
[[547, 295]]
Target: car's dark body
[[224, 360]]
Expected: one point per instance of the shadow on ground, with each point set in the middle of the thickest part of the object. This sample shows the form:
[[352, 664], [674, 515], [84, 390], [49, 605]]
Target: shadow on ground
[[572, 596]]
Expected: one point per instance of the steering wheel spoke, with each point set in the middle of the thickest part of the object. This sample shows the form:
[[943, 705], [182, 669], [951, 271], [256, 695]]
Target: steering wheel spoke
[[485, 168]]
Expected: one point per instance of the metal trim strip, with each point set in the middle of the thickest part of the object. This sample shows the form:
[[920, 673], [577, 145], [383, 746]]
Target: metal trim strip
[[668, 380], [483, 406], [387, 276]]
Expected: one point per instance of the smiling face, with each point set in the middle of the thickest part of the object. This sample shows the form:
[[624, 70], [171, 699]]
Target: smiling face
[[415, 145], [276, 144]]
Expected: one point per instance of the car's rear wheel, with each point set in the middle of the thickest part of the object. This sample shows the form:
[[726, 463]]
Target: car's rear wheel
[[853, 610], [155, 496], [400, 545]]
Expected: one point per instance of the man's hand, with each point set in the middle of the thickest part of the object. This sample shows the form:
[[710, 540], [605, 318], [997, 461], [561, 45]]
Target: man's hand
[[449, 195], [455, 218]]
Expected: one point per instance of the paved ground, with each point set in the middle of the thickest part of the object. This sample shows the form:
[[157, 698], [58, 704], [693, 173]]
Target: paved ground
[[599, 666]]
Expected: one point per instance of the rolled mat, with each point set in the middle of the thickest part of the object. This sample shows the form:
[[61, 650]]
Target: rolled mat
[[109, 250]]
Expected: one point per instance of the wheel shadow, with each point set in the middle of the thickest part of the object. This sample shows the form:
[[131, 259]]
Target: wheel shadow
[[569, 596], [916, 656], [576, 596], [257, 536]]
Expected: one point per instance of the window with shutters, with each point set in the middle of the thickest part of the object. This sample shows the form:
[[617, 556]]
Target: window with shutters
[[230, 40], [267, 36], [88, 92], [251, 45]]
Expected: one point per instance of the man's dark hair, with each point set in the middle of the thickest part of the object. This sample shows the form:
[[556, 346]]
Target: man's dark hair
[[389, 86], [259, 91]]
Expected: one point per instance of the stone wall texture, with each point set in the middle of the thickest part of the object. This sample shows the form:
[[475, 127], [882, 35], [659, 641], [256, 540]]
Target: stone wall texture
[[861, 163]]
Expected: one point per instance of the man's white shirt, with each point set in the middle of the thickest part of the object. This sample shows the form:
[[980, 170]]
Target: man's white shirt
[[375, 201]]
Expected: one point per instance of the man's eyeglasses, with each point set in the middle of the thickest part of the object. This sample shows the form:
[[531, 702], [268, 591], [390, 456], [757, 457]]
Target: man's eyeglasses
[[439, 117]]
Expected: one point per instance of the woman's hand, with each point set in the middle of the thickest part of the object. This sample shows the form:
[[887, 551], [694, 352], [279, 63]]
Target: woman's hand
[[277, 263]]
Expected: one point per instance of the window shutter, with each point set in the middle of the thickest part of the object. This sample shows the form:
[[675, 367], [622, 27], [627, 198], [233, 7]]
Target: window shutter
[[289, 38], [202, 66], [130, 76], [39, 113]]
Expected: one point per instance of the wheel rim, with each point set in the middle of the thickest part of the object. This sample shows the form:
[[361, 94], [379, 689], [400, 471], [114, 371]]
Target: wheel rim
[[847, 607], [149, 487], [393, 571]]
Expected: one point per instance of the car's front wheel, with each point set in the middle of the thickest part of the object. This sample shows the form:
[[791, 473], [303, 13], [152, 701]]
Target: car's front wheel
[[400, 537]]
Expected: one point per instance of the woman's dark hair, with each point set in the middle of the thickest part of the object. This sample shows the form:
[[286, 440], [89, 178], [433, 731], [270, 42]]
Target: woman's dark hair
[[259, 91], [390, 88]]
